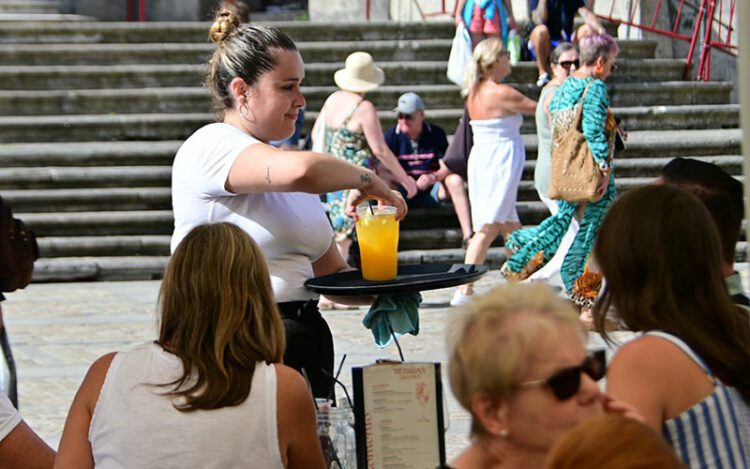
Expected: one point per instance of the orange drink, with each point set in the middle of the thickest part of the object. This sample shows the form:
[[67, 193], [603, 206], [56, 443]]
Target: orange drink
[[377, 232]]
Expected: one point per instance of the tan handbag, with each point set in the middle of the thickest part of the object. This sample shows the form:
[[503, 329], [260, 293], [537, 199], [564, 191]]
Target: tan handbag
[[575, 174]]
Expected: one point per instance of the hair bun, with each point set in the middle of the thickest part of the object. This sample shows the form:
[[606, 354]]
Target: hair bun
[[224, 24]]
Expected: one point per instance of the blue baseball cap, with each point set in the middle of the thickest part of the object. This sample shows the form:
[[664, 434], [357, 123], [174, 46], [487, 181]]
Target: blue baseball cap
[[408, 103]]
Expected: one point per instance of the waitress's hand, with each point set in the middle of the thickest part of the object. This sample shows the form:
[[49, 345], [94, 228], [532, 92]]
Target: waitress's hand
[[391, 197]]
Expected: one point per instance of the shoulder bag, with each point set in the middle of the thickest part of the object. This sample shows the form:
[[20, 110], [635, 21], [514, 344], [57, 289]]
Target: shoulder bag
[[575, 174]]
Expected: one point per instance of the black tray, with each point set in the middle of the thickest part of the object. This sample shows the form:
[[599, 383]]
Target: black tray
[[410, 278]]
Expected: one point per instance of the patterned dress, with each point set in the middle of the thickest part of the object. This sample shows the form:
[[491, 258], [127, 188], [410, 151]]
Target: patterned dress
[[531, 248], [350, 146]]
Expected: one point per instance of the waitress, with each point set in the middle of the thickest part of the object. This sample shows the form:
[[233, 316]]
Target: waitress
[[226, 171]]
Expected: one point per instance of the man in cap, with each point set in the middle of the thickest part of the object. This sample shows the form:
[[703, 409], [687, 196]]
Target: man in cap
[[419, 146]]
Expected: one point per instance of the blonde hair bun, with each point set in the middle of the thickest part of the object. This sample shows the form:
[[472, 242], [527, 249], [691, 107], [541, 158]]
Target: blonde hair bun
[[224, 24]]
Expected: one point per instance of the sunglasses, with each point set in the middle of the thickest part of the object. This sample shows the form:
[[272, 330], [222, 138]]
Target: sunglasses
[[613, 68], [566, 64], [567, 382], [404, 116]]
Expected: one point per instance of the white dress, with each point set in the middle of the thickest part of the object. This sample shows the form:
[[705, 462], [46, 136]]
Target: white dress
[[494, 170]]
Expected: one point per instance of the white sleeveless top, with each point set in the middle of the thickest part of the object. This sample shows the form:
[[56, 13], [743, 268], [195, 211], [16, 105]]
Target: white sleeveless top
[[135, 426]]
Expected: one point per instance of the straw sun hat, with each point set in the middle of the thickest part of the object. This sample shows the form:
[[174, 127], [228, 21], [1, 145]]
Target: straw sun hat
[[360, 74]]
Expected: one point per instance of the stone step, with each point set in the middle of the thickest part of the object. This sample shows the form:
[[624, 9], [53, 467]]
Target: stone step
[[60, 189], [56, 178], [197, 32], [142, 222], [28, 7], [92, 198], [106, 127], [144, 267], [43, 77], [651, 167], [81, 156], [313, 51], [194, 100], [82, 269], [70, 189], [300, 31], [85, 154], [46, 17], [88, 246]]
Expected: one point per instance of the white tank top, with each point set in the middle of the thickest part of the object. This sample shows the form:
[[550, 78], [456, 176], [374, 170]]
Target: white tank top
[[135, 426]]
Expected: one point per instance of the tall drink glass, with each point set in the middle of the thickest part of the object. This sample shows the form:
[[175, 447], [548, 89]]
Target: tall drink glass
[[377, 231]]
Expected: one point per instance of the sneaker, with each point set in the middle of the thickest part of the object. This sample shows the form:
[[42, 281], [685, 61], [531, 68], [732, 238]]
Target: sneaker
[[459, 299], [542, 80]]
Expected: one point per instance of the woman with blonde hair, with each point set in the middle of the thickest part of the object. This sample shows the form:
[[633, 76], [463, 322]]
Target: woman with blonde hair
[[228, 171], [212, 379], [353, 133], [496, 160], [517, 363]]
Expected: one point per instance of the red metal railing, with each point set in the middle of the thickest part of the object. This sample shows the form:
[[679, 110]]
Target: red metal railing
[[422, 13], [709, 18], [130, 10]]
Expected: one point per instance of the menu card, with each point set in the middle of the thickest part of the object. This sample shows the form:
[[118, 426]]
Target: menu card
[[398, 415]]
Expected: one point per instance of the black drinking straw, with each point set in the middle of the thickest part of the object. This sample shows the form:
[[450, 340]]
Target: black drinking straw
[[334, 379], [369, 204], [398, 346]]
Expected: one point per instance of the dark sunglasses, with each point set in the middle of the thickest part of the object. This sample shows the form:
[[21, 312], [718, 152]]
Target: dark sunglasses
[[404, 116], [613, 68], [566, 64], [565, 383]]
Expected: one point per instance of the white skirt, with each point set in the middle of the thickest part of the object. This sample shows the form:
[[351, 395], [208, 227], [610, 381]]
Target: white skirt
[[494, 172]]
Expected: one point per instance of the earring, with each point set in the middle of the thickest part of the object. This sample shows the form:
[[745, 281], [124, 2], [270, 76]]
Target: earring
[[504, 433]]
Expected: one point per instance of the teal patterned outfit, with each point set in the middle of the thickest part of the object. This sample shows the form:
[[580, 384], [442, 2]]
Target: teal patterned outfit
[[531, 248], [349, 146]]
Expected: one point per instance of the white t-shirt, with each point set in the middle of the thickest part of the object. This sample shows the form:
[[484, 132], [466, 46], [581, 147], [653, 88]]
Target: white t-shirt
[[291, 228], [9, 416], [135, 425]]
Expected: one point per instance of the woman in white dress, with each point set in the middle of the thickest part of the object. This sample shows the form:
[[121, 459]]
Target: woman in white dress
[[496, 159]]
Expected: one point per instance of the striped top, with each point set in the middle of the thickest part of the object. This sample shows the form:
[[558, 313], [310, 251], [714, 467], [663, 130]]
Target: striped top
[[715, 432]]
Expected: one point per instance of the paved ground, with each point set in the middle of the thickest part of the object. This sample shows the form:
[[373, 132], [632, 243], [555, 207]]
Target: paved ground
[[57, 330]]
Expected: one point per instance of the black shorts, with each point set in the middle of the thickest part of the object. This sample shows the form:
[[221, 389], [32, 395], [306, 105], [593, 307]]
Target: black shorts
[[309, 344]]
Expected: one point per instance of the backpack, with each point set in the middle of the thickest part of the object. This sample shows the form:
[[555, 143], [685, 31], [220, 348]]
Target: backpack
[[18, 251]]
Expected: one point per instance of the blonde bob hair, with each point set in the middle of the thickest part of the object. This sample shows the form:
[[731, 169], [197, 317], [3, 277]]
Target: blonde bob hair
[[485, 54], [492, 340], [218, 316]]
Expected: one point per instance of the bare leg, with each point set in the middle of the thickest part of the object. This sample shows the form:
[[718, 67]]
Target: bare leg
[[476, 253], [540, 40], [476, 38], [509, 227], [457, 190]]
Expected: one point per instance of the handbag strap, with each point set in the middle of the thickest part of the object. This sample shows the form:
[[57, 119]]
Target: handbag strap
[[578, 122]]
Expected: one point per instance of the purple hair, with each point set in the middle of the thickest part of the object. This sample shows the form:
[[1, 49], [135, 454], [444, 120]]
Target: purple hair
[[593, 46]]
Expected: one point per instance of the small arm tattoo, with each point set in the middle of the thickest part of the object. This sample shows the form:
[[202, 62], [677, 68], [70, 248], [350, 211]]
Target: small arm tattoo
[[268, 175], [365, 178]]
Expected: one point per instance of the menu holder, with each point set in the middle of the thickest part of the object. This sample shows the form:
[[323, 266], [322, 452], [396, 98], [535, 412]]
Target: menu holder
[[398, 415]]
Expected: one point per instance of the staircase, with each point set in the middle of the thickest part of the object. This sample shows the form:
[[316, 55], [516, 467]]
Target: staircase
[[94, 112]]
